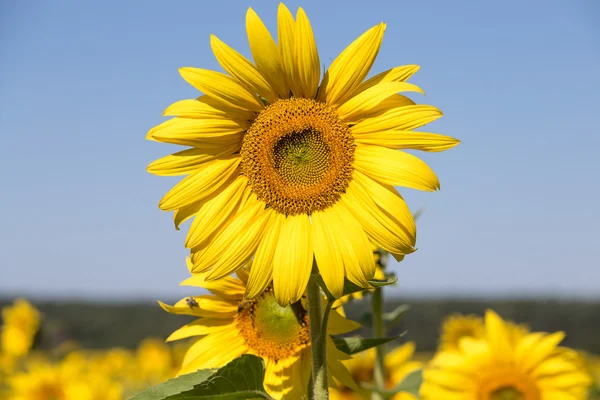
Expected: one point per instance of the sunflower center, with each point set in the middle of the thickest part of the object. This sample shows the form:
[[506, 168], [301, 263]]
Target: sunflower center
[[507, 384], [272, 331], [297, 156], [507, 394]]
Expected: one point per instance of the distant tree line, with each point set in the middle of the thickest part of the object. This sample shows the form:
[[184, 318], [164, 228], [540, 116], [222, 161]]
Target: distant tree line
[[100, 325]]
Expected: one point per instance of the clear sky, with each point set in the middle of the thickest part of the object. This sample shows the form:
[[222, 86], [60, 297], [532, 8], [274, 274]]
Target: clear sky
[[518, 82]]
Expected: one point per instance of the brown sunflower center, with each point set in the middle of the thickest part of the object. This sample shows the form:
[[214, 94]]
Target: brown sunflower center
[[298, 156], [272, 331], [507, 384]]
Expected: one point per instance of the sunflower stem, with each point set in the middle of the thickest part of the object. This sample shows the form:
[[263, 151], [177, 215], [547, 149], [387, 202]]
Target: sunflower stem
[[378, 332], [317, 337]]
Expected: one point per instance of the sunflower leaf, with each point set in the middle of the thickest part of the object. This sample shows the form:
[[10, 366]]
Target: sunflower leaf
[[240, 379], [393, 317], [174, 386], [353, 345]]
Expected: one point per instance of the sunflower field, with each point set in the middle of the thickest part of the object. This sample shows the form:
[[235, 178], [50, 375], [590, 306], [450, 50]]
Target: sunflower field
[[291, 169], [30, 371]]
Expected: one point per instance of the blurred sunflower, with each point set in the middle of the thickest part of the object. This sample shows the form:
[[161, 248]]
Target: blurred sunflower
[[458, 326], [398, 365], [283, 167], [497, 367], [231, 326], [64, 381], [21, 322]]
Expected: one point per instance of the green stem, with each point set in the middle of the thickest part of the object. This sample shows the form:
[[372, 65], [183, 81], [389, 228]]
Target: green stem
[[317, 337], [378, 332]]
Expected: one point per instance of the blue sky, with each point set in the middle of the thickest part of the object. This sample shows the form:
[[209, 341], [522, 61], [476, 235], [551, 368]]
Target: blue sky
[[518, 82]]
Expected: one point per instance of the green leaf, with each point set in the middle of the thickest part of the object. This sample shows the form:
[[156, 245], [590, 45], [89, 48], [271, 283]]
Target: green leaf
[[383, 282], [410, 384], [353, 345], [174, 386], [392, 318], [241, 379]]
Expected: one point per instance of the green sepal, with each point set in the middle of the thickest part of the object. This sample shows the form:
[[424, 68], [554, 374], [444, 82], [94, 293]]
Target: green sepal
[[353, 345], [389, 280]]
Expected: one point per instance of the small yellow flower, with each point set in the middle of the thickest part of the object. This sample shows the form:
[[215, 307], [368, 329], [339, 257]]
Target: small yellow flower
[[398, 365], [231, 326], [286, 166], [21, 322], [502, 366]]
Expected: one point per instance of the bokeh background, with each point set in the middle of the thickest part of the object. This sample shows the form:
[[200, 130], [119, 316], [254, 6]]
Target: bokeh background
[[514, 227]]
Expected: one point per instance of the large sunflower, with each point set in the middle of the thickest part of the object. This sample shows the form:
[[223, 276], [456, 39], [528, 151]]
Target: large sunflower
[[282, 167], [231, 326], [504, 367]]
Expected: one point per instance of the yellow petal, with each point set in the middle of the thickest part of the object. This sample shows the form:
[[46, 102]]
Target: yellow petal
[[390, 208], [351, 67], [336, 369], [200, 327], [338, 325], [397, 74], [365, 101], [401, 118], [293, 258], [214, 351], [221, 87], [186, 212], [265, 53], [497, 336], [358, 257], [206, 107], [541, 350], [200, 184], [186, 161], [328, 257], [236, 244], [228, 288], [399, 139], [394, 101], [387, 231], [192, 132], [216, 210], [394, 167], [307, 57], [202, 306], [242, 69], [261, 273], [287, 49]]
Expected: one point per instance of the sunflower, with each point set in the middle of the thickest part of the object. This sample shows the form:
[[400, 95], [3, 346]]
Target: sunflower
[[21, 322], [284, 166], [497, 367], [231, 326], [458, 326], [398, 365]]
